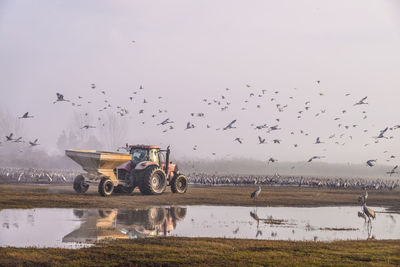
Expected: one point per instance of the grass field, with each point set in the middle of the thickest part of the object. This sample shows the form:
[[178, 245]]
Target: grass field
[[173, 251]]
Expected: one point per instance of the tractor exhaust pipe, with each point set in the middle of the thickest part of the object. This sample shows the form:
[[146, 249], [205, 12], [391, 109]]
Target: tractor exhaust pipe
[[167, 161]]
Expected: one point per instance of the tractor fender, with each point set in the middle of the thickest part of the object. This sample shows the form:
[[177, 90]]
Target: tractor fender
[[144, 164]]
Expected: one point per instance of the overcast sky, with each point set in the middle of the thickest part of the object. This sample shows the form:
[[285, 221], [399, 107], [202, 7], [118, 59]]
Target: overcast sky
[[187, 51]]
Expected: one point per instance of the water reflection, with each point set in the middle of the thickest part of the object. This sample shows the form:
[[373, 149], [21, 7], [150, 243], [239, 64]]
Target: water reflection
[[98, 225], [74, 228]]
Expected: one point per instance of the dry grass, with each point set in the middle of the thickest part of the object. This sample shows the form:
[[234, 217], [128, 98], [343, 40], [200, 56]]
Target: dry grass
[[173, 251]]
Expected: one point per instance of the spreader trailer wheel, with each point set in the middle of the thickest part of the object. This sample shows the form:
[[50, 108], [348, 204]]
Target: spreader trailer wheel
[[106, 187], [80, 186]]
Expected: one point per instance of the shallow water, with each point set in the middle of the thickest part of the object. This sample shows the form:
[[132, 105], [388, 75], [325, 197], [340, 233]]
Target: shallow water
[[75, 228]]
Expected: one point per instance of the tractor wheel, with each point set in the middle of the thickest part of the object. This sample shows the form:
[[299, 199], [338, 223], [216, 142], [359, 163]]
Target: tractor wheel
[[178, 213], [104, 213], [153, 218], [106, 187], [179, 184], [152, 181], [79, 184]]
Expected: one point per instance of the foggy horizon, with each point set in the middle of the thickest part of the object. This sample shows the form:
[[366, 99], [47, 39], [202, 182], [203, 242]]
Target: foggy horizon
[[331, 55]]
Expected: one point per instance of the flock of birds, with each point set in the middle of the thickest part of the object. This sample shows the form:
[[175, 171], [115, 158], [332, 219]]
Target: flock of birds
[[298, 181], [37, 175], [254, 101], [40, 175]]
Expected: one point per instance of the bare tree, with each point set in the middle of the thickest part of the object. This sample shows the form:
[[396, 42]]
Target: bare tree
[[113, 131], [10, 124]]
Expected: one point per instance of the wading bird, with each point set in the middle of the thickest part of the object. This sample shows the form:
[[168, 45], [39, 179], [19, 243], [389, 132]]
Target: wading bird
[[255, 194], [369, 212]]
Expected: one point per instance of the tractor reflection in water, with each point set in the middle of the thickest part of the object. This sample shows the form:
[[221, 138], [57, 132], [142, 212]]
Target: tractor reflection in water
[[98, 225]]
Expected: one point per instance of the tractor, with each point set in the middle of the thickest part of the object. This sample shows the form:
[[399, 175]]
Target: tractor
[[147, 167]]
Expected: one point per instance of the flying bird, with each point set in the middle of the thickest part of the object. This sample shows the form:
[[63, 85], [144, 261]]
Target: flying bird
[[393, 171], [316, 157], [261, 140], [361, 102], [25, 116], [166, 121], [19, 140], [238, 139], [371, 162], [381, 134], [189, 126], [229, 126], [9, 137], [60, 98], [87, 127], [34, 143], [318, 141]]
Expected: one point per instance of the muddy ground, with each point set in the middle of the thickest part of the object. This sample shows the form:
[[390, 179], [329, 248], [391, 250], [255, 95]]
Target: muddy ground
[[43, 196]]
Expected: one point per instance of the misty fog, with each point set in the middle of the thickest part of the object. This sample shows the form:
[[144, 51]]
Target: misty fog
[[142, 72]]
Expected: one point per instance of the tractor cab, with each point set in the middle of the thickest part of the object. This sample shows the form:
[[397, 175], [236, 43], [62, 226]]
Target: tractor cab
[[143, 153]]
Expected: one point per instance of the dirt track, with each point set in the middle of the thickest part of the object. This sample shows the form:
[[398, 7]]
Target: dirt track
[[30, 196]]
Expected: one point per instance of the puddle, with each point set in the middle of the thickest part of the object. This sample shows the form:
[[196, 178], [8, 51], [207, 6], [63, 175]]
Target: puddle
[[76, 228]]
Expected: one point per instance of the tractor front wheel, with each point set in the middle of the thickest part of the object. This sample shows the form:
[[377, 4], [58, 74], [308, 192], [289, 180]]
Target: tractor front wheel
[[106, 187], [79, 184], [152, 181], [179, 184]]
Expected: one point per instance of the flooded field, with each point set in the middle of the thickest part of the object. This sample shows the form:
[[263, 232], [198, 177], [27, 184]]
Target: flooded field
[[75, 228]]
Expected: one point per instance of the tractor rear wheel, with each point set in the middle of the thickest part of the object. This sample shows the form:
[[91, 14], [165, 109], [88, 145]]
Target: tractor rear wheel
[[178, 213], [152, 181], [106, 187], [79, 184], [154, 217], [179, 184]]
